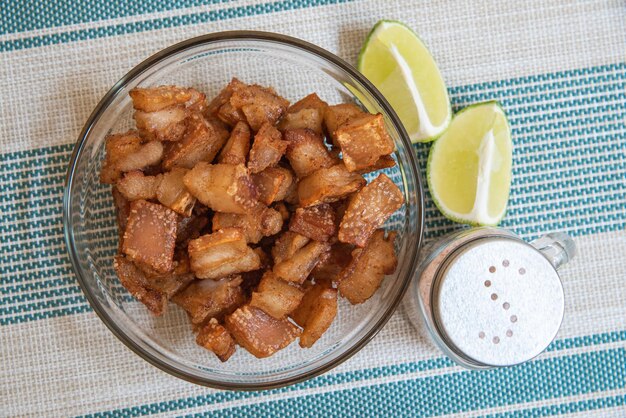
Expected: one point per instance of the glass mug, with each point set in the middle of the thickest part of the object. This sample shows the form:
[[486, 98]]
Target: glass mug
[[489, 299]]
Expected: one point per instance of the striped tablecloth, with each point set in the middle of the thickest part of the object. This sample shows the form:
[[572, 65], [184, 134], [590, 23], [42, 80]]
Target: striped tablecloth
[[559, 69]]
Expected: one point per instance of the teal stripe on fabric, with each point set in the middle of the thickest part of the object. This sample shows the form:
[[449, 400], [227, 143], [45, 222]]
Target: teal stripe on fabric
[[424, 396], [21, 16], [162, 23], [566, 408], [568, 173]]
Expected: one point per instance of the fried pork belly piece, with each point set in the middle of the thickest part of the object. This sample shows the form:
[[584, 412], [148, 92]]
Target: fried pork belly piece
[[189, 228], [150, 235], [297, 268], [328, 185], [369, 265], [222, 187], [215, 338], [258, 223], [206, 299], [316, 313], [273, 184], [287, 245], [127, 152], [236, 149], [222, 98], [368, 209], [259, 333], [267, 149], [306, 152], [221, 254], [276, 297], [386, 161], [163, 125], [315, 222], [307, 113], [363, 140], [158, 98], [122, 210], [172, 193], [337, 115], [329, 268], [201, 141], [260, 105], [135, 186]]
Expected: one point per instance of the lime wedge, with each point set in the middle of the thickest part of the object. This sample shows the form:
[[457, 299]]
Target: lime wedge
[[398, 63], [469, 166]]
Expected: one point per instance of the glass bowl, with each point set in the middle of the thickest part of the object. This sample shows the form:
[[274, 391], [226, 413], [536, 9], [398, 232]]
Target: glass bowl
[[294, 68]]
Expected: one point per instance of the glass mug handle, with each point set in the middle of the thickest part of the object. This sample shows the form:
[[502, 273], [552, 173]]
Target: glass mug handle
[[558, 247]]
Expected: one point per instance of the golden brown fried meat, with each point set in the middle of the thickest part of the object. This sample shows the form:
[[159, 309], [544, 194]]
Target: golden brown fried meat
[[267, 149], [386, 161], [369, 265], [297, 268], [315, 222], [260, 105], [256, 224], [259, 333], [122, 210], [189, 228], [329, 268], [158, 98], [316, 313], [205, 299], [276, 297], [307, 152], [328, 185], [236, 149], [273, 184], [307, 113], [363, 140], [214, 337], [135, 186], [127, 152], [150, 235], [368, 209], [222, 187], [222, 98], [201, 141], [163, 125], [135, 281], [216, 249], [172, 193], [287, 245], [337, 115]]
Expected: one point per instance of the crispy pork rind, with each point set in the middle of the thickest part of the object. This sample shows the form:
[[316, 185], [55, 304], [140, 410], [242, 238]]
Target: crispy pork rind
[[276, 297], [315, 222], [316, 313], [259, 333], [201, 141], [258, 223], [260, 105], [287, 245], [127, 152], [221, 254], [163, 125], [307, 152], [158, 98], [222, 98], [189, 228], [368, 209], [150, 235], [363, 140], [273, 184], [307, 113], [122, 210], [328, 185], [267, 149], [337, 115], [135, 281], [298, 267], [135, 186], [369, 265], [172, 193], [237, 147], [386, 161], [214, 337], [222, 187], [329, 268], [206, 299]]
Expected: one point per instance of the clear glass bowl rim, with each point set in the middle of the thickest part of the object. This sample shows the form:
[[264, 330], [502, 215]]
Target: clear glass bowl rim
[[103, 104]]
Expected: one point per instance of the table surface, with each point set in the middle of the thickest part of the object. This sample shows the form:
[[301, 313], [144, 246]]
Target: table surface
[[558, 68]]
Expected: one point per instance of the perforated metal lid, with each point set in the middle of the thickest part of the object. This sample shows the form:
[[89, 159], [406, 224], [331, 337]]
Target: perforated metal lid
[[498, 301]]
